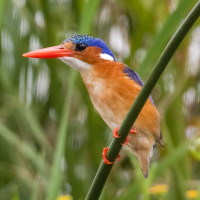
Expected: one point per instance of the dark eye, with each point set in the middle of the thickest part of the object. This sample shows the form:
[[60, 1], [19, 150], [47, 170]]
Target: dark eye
[[80, 47]]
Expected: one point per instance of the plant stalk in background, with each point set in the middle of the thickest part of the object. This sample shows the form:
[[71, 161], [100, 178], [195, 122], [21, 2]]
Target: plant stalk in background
[[55, 181]]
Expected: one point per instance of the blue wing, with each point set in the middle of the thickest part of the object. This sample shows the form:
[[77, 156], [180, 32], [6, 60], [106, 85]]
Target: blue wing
[[134, 76]]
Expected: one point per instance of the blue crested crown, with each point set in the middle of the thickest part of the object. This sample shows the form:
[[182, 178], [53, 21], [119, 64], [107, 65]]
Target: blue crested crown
[[91, 41]]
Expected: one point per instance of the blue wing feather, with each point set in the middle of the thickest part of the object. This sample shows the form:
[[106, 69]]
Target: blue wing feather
[[135, 77]]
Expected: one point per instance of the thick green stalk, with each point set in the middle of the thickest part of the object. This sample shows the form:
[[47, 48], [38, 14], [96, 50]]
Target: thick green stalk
[[115, 147]]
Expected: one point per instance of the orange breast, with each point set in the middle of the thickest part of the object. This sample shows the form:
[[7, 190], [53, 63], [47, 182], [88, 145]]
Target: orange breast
[[112, 94]]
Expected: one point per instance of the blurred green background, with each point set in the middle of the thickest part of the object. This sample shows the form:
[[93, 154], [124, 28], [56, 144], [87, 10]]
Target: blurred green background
[[51, 138]]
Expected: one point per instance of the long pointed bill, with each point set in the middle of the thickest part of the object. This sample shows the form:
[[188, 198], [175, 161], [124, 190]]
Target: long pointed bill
[[50, 52]]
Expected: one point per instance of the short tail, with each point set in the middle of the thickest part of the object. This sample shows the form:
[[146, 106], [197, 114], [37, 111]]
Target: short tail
[[142, 146], [144, 157]]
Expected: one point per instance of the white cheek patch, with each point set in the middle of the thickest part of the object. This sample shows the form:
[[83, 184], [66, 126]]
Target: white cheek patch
[[75, 63], [106, 56]]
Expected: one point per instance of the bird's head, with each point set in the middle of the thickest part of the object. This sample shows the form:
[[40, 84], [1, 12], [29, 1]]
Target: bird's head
[[80, 52]]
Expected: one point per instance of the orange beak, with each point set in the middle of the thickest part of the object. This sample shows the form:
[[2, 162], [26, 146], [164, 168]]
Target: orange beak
[[50, 52]]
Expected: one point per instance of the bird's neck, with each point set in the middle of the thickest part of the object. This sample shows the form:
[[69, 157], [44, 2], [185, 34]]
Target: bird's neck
[[105, 72]]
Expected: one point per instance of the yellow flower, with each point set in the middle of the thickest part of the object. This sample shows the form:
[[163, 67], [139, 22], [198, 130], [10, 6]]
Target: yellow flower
[[162, 188], [192, 194], [65, 197], [158, 189]]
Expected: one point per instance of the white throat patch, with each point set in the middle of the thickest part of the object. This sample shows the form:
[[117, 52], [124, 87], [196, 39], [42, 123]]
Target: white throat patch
[[75, 63], [106, 56]]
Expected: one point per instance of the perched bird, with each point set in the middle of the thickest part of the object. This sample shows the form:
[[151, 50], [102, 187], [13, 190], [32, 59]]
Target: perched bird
[[112, 87]]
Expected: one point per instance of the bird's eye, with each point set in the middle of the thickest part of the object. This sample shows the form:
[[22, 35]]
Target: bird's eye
[[80, 47]]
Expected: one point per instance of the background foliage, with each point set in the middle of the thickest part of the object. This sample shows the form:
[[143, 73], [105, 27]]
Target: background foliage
[[51, 139]]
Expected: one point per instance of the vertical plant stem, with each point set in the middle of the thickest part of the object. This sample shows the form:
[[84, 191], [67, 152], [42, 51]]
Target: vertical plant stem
[[115, 147], [56, 176]]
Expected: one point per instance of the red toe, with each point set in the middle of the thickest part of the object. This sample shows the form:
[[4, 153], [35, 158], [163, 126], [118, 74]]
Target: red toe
[[133, 131], [105, 160], [115, 133]]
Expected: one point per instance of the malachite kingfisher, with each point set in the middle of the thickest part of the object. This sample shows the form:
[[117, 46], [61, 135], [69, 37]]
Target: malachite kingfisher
[[112, 87]]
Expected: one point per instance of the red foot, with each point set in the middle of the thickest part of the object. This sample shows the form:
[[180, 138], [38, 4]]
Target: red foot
[[133, 131], [105, 160], [116, 135]]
